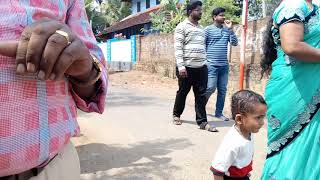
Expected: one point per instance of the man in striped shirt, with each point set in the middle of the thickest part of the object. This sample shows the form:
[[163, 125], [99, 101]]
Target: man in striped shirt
[[218, 36], [191, 65]]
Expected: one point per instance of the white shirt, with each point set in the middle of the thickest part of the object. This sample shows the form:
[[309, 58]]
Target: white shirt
[[234, 156]]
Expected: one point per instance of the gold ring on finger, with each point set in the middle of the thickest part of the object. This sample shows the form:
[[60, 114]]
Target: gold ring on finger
[[64, 34]]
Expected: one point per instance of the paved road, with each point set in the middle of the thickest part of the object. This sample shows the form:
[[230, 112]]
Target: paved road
[[135, 140]]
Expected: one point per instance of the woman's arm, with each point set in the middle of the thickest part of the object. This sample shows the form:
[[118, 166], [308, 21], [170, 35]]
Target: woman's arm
[[292, 43]]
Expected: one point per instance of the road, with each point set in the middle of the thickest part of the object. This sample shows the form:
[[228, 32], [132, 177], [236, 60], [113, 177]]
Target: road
[[135, 140]]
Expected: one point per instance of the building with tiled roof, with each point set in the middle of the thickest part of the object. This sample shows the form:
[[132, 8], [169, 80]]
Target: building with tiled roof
[[136, 22]]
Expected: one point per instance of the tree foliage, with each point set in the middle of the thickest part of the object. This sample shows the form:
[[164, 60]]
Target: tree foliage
[[170, 14], [115, 10], [232, 10], [96, 18], [106, 14], [256, 8], [271, 5]]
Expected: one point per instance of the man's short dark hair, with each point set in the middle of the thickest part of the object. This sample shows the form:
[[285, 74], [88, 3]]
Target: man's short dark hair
[[217, 11], [192, 6]]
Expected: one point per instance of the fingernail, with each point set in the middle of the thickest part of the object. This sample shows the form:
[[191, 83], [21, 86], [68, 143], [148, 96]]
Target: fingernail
[[31, 67], [21, 68], [52, 76], [41, 75]]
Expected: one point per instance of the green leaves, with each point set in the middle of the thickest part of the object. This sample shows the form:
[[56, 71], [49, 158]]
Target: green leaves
[[170, 14], [107, 14], [232, 10], [168, 17], [258, 7]]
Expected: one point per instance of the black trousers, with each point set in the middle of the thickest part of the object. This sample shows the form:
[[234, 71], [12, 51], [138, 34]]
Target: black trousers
[[197, 79], [232, 178]]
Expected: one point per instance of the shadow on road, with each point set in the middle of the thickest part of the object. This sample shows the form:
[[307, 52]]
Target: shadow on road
[[124, 99], [189, 122], [136, 161], [217, 123], [222, 123], [128, 99]]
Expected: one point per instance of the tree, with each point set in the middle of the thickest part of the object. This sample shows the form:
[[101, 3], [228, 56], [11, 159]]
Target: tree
[[169, 16], [256, 8], [271, 5], [115, 10], [232, 10], [97, 19], [106, 14]]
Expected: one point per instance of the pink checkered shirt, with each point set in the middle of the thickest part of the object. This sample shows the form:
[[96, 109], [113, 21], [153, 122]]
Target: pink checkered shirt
[[38, 118]]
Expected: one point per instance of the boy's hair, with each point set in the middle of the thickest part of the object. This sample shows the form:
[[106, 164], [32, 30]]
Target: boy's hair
[[217, 11], [192, 6], [244, 102]]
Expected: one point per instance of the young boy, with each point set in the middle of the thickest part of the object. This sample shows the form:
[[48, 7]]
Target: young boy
[[233, 159]]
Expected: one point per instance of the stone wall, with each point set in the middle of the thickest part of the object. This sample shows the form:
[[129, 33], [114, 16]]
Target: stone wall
[[254, 42], [253, 54], [155, 53]]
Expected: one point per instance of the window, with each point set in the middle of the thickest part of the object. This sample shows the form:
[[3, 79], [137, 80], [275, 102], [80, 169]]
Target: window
[[157, 1], [138, 6], [147, 4]]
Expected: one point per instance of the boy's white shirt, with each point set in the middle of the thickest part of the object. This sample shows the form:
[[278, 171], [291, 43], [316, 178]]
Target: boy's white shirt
[[234, 150]]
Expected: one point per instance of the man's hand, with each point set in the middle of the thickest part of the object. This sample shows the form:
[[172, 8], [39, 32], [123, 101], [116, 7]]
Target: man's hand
[[8, 48], [228, 24], [218, 177], [183, 73], [48, 54]]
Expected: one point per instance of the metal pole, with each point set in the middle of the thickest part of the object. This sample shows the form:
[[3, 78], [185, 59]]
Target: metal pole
[[264, 8], [243, 42]]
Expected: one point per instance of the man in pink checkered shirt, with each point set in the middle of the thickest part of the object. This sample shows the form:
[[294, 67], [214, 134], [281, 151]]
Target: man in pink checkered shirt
[[50, 65]]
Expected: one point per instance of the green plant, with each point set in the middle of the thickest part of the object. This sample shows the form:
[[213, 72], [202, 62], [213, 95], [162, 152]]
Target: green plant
[[106, 14], [231, 10], [169, 16], [256, 8], [115, 10], [172, 13]]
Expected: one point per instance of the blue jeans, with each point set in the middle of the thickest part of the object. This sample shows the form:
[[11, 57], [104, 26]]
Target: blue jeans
[[218, 79]]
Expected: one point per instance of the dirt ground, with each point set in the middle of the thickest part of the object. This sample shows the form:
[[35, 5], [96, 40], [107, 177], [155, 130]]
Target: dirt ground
[[162, 87], [135, 139]]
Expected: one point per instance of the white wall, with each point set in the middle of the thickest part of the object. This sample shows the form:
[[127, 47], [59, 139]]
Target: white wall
[[143, 5]]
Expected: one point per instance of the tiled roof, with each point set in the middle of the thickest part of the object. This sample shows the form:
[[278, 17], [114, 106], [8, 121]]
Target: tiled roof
[[132, 20]]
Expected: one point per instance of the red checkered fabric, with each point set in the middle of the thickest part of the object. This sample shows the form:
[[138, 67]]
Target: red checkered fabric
[[38, 118]]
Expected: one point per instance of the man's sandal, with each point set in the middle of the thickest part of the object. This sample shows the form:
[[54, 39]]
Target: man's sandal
[[177, 121], [208, 127]]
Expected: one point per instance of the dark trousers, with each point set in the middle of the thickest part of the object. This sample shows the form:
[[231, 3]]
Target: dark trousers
[[232, 178], [198, 79]]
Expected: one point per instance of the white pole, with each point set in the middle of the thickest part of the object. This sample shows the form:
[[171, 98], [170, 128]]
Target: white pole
[[243, 42], [264, 8]]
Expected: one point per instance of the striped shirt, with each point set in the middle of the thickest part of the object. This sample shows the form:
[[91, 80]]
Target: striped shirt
[[217, 40], [38, 118], [189, 45]]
